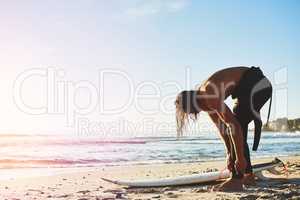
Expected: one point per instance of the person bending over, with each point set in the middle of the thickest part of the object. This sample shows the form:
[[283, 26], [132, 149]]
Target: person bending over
[[251, 90]]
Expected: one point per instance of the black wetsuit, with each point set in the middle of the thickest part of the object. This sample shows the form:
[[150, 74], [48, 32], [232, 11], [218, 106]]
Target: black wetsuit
[[252, 92]]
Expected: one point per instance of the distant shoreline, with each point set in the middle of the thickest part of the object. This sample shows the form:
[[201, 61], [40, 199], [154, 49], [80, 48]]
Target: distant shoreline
[[283, 125]]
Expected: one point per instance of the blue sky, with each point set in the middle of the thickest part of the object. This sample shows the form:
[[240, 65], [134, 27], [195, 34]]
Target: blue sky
[[151, 40]]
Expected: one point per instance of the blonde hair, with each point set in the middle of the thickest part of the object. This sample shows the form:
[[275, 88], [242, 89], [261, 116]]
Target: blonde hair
[[186, 110]]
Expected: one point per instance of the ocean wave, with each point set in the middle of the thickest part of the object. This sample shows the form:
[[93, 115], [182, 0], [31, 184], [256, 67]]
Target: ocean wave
[[50, 151], [33, 163]]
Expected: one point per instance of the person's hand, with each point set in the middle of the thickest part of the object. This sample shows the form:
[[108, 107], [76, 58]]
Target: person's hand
[[241, 164], [230, 163]]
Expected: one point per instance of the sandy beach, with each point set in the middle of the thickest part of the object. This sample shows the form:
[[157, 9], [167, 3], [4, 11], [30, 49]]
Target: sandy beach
[[86, 183]]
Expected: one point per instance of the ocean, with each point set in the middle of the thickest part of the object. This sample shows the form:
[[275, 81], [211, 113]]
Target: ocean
[[27, 151]]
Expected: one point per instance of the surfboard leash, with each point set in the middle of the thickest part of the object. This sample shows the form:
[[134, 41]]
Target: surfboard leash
[[285, 170]]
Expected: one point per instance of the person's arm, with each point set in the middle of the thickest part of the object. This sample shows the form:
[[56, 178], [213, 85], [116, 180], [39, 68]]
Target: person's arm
[[235, 134], [222, 127]]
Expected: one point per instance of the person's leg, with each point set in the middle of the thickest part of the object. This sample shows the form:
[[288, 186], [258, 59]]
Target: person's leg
[[249, 177], [246, 148], [235, 183], [242, 113], [235, 174]]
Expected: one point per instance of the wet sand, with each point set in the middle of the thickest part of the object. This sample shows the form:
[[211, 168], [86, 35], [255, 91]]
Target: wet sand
[[86, 183]]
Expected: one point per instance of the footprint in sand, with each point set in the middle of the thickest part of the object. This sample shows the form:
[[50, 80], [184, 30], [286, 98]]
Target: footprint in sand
[[84, 192], [35, 190], [63, 196]]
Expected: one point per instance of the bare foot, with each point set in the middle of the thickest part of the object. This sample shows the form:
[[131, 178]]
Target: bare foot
[[249, 179], [231, 185]]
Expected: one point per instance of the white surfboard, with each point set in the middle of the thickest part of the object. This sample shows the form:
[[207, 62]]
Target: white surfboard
[[192, 179]]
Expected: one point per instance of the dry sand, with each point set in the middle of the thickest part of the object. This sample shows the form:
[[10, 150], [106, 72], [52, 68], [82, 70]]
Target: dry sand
[[86, 183]]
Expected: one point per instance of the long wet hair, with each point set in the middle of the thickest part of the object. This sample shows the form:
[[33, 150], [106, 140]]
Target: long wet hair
[[187, 107]]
